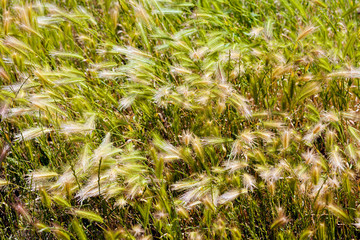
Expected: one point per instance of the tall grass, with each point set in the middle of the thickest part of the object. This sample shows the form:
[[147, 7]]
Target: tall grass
[[150, 119]]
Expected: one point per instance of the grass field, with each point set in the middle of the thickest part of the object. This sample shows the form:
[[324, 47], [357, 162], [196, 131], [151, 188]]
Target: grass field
[[179, 119]]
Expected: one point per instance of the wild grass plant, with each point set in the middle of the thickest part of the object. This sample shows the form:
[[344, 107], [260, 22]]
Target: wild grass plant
[[170, 119]]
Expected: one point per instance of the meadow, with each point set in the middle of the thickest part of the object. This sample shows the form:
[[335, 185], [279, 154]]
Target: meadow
[[179, 119]]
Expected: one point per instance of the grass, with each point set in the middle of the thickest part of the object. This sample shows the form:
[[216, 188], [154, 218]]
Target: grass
[[150, 119]]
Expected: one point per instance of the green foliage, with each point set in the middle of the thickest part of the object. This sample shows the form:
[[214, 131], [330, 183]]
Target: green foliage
[[151, 119]]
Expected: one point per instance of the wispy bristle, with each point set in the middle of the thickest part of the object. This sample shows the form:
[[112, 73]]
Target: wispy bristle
[[249, 182], [336, 161], [229, 196], [32, 133]]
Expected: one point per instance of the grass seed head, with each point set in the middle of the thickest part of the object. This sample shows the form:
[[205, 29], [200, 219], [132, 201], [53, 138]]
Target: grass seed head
[[249, 182], [336, 161]]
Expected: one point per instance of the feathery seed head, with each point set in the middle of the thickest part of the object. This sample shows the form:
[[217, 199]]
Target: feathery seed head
[[286, 139], [336, 161], [249, 182], [310, 157], [256, 31], [229, 196], [233, 166], [187, 137]]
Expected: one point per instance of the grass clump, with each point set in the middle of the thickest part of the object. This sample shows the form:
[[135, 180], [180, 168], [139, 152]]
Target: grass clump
[[150, 119]]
